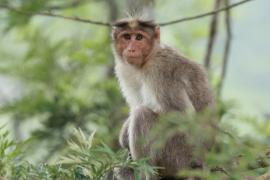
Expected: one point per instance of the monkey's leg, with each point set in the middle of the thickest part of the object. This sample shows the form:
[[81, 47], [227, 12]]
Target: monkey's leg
[[141, 121], [124, 174]]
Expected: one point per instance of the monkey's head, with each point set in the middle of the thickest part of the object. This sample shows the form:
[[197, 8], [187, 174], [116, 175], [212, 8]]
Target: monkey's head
[[134, 40]]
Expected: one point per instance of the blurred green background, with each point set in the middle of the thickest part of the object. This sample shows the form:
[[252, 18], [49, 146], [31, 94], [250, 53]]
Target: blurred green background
[[57, 75]]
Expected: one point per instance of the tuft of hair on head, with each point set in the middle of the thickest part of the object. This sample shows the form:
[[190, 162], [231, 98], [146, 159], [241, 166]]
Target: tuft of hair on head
[[134, 19], [139, 14]]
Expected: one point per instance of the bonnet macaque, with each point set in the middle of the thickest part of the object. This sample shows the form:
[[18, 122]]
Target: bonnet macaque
[[155, 79]]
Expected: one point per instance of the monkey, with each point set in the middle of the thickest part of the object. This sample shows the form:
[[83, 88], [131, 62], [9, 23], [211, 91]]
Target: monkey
[[155, 79]]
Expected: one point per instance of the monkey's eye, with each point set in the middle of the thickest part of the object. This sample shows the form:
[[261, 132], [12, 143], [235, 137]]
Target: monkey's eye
[[127, 36], [139, 37]]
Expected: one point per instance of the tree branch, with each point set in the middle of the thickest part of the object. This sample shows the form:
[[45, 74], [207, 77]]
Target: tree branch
[[227, 48], [212, 36], [74, 18], [109, 24], [204, 14], [220, 169]]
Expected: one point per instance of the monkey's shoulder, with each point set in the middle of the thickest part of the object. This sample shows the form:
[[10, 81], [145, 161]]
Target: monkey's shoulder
[[176, 65]]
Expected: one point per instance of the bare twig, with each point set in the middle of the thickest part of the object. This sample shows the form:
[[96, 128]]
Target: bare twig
[[212, 36], [220, 169], [204, 14], [223, 131], [74, 18], [227, 48], [108, 24]]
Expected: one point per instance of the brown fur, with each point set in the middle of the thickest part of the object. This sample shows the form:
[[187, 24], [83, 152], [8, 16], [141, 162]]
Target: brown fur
[[166, 82]]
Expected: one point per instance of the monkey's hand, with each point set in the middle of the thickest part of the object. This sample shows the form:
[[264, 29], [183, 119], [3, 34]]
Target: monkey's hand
[[123, 138]]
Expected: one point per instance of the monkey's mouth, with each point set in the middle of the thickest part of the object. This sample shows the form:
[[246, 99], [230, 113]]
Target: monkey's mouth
[[133, 56], [135, 60]]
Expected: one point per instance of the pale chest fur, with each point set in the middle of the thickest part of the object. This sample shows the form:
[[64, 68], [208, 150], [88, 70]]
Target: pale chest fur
[[136, 88]]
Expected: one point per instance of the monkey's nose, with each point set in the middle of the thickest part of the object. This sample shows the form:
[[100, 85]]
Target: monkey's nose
[[131, 50]]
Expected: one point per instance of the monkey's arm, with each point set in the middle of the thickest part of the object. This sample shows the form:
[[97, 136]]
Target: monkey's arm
[[123, 138], [198, 88]]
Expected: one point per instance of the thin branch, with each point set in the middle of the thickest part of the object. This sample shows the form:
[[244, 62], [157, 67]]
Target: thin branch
[[220, 169], [212, 36], [204, 14], [55, 15], [109, 24], [227, 48], [223, 131]]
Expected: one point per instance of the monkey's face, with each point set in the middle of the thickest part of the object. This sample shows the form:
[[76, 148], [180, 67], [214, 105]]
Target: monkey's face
[[134, 46], [135, 40]]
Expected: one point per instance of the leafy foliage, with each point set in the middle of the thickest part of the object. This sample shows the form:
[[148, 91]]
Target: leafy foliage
[[83, 160], [64, 80]]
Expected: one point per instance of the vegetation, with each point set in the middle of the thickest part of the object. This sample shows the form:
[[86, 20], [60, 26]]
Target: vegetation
[[63, 116]]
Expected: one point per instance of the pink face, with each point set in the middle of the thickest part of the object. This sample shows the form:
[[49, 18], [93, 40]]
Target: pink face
[[134, 46]]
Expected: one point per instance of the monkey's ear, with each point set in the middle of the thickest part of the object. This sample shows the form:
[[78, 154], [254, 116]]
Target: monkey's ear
[[113, 33], [157, 33]]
